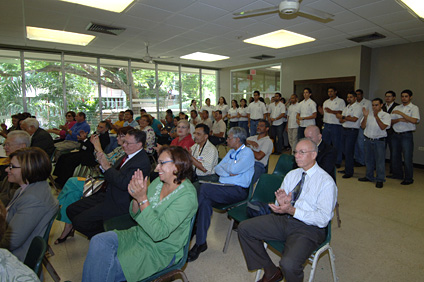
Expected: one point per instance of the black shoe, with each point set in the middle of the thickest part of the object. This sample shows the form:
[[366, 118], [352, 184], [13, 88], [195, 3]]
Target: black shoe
[[407, 182], [364, 179], [379, 185], [338, 165], [393, 177], [194, 253], [342, 171], [346, 176], [356, 164]]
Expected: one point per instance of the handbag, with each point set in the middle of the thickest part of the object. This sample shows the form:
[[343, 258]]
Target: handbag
[[92, 185]]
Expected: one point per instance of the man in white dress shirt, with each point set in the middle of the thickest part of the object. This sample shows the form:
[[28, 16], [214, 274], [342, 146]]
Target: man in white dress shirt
[[255, 111], [404, 120], [304, 206], [375, 124], [332, 130], [350, 119], [307, 113], [277, 118], [360, 142], [292, 126]]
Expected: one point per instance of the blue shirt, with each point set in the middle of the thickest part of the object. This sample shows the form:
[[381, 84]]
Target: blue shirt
[[155, 127], [240, 162], [76, 129], [132, 124]]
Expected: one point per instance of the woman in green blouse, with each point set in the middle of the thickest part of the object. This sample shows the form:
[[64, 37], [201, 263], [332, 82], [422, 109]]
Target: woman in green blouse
[[163, 212]]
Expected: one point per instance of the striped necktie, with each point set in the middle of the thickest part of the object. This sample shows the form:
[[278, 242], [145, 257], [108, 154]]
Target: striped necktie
[[298, 189]]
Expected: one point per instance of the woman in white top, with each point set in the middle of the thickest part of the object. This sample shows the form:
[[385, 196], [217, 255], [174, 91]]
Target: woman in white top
[[223, 107], [193, 106], [233, 114], [242, 116], [208, 108]]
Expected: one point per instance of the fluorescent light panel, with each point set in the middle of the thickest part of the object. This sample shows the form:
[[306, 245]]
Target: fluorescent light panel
[[205, 57], [116, 6], [416, 6], [58, 36], [279, 39]]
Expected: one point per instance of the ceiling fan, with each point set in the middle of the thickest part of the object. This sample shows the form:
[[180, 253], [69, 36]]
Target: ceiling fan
[[288, 7], [149, 59]]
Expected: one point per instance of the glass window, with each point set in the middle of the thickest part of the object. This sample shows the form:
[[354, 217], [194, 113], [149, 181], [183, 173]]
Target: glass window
[[190, 79]]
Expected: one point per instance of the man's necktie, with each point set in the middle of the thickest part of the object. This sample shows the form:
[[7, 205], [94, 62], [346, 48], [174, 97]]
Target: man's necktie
[[122, 163], [298, 189]]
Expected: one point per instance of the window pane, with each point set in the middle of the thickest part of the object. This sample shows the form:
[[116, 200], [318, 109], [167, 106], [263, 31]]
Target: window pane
[[209, 86], [191, 87], [169, 90]]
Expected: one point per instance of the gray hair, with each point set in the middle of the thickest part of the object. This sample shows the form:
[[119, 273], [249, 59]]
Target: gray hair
[[31, 122], [20, 137], [313, 144], [238, 132]]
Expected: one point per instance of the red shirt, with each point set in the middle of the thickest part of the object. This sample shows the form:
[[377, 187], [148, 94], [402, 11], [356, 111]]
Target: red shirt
[[186, 142]]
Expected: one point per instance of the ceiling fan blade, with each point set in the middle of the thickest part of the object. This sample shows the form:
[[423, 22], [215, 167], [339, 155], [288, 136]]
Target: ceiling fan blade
[[256, 12], [315, 13]]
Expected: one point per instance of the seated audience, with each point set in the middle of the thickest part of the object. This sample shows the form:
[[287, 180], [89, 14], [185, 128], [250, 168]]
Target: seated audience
[[304, 206], [173, 133], [114, 129], [39, 137], [71, 139], [235, 171], [11, 269], [261, 146], [194, 118], [73, 189], [183, 138], [15, 125], [15, 140], [67, 163], [129, 118], [165, 138], [87, 215], [163, 212], [32, 207], [205, 119], [217, 134], [70, 121], [204, 156], [145, 123]]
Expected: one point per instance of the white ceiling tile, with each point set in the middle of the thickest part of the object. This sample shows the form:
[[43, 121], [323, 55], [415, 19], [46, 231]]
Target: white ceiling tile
[[183, 21], [171, 6], [148, 12], [203, 12], [227, 4], [380, 7]]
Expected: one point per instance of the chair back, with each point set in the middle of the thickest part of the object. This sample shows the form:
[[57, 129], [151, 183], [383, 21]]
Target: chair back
[[284, 165], [35, 254], [266, 187], [49, 227]]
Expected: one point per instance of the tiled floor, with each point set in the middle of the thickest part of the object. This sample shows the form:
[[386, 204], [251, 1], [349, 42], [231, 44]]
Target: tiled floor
[[380, 239]]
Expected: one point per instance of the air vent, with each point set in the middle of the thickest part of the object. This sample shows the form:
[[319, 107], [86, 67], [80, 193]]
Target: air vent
[[263, 57], [367, 37], [105, 29]]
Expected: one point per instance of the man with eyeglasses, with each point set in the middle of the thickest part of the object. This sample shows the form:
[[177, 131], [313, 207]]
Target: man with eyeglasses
[[15, 140], [303, 208], [88, 214], [235, 173]]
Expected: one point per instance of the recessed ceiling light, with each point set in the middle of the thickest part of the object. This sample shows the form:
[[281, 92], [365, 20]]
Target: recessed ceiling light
[[415, 6], [276, 67], [205, 57], [109, 5], [51, 35], [279, 39]]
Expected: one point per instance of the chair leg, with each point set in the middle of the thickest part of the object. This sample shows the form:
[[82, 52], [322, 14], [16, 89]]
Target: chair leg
[[227, 239], [259, 272], [51, 270], [339, 222], [333, 264]]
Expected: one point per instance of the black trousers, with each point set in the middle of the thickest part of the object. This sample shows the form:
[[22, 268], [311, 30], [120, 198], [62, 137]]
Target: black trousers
[[86, 214], [301, 241], [65, 167]]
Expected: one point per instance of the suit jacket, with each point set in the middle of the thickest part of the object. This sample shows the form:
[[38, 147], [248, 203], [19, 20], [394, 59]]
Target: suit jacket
[[28, 216], [117, 199], [326, 159], [87, 149], [43, 140], [7, 190], [389, 110]]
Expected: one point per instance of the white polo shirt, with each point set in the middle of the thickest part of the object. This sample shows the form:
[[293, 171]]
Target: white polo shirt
[[354, 110], [336, 104], [275, 111], [372, 130], [292, 112], [410, 110], [306, 109], [256, 110], [265, 145]]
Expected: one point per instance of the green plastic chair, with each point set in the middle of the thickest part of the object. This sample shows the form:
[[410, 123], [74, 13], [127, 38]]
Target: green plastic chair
[[279, 246], [35, 254], [284, 165], [49, 267], [264, 192]]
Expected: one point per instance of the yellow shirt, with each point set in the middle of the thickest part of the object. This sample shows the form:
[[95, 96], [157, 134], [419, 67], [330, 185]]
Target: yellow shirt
[[119, 123]]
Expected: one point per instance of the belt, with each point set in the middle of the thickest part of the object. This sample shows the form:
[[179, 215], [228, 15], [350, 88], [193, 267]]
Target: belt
[[376, 139], [255, 119], [404, 132], [349, 128]]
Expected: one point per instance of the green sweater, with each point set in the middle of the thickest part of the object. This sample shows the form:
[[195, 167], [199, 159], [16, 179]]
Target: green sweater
[[162, 231]]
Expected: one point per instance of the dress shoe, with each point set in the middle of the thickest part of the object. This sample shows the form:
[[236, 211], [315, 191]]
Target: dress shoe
[[391, 176], [194, 253], [342, 171], [61, 240], [379, 185], [364, 179], [346, 176], [278, 276], [407, 182]]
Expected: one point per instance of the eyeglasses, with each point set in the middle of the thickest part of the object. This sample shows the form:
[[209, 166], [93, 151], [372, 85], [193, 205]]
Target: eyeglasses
[[128, 143], [301, 152], [11, 166], [182, 127], [161, 163]]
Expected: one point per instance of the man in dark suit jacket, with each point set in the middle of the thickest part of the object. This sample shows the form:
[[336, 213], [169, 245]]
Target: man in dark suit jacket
[[39, 137], [67, 163], [327, 155], [388, 107], [87, 215]]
